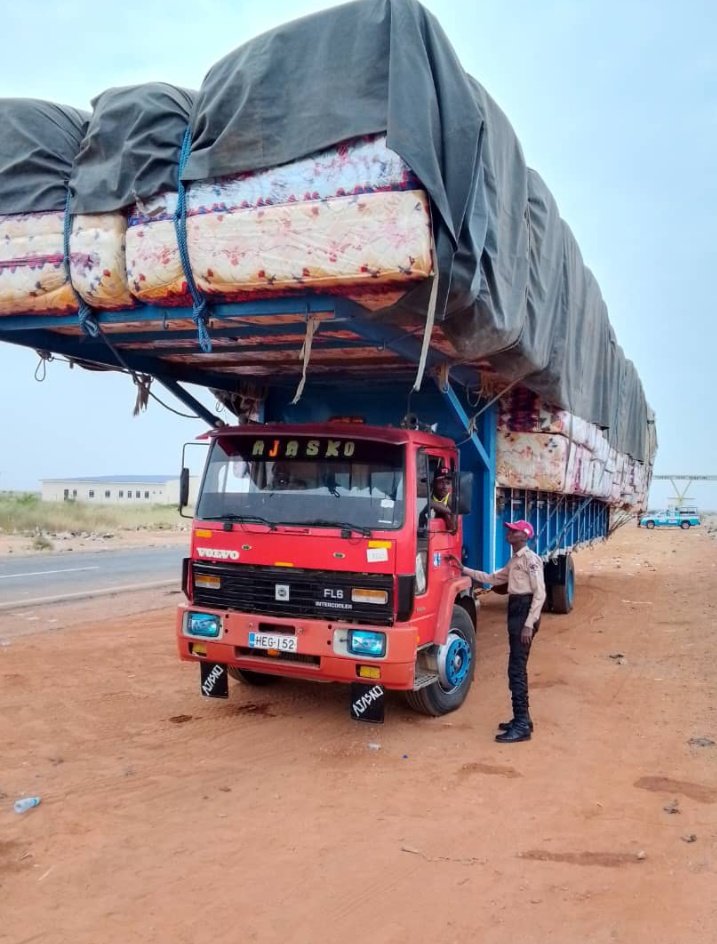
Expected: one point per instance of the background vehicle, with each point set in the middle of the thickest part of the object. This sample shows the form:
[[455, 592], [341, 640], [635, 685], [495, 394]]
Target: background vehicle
[[684, 518]]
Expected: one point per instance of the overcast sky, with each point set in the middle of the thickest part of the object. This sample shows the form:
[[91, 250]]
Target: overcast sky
[[615, 104]]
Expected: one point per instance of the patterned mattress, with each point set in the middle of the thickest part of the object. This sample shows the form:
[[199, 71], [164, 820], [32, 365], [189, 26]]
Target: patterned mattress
[[351, 219], [32, 268]]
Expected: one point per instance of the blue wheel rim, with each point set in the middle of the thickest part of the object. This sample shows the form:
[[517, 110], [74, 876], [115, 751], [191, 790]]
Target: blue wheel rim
[[458, 662]]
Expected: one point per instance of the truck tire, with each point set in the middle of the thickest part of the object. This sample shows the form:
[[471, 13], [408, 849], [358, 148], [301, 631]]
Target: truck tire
[[685, 525], [251, 678], [562, 595], [650, 525], [459, 654]]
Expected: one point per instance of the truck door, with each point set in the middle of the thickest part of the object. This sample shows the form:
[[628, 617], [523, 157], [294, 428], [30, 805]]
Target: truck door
[[435, 539]]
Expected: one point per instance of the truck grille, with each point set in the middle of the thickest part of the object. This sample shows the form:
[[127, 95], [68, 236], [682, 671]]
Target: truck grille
[[289, 592]]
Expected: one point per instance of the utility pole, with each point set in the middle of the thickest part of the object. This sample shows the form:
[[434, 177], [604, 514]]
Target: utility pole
[[681, 491]]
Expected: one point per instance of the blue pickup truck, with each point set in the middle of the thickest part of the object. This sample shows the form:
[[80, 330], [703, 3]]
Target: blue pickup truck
[[684, 518]]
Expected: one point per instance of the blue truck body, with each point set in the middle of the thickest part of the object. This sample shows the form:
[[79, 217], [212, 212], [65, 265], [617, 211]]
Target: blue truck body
[[561, 522]]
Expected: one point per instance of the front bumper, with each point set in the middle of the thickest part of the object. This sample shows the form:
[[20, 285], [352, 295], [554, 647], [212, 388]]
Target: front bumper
[[316, 654]]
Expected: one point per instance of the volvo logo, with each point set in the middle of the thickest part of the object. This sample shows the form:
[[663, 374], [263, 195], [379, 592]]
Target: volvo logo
[[281, 591], [218, 553]]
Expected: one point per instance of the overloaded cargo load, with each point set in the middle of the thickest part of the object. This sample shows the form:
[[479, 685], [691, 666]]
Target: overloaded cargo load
[[547, 449], [352, 219], [53, 254], [374, 170]]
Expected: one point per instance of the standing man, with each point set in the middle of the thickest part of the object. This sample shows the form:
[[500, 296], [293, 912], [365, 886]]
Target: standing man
[[526, 595]]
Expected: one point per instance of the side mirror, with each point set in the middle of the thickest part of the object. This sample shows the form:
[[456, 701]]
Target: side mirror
[[183, 488], [190, 471], [464, 504]]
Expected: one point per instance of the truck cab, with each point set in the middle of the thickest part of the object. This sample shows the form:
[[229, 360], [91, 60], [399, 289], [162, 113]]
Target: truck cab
[[317, 552]]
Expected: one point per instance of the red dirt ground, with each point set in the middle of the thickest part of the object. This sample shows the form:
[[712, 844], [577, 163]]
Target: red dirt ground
[[269, 818]]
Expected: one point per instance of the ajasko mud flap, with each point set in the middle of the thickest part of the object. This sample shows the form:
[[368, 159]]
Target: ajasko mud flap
[[368, 702], [215, 681]]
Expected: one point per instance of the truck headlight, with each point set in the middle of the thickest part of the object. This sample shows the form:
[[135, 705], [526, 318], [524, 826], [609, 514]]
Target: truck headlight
[[206, 625], [364, 642]]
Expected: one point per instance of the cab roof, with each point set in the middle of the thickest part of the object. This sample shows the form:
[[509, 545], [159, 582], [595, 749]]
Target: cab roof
[[387, 434]]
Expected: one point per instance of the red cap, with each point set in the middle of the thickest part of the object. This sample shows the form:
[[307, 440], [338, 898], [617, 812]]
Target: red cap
[[525, 526], [443, 472]]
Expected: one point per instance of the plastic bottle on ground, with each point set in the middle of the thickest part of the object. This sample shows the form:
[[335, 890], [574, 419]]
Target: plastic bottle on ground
[[26, 803]]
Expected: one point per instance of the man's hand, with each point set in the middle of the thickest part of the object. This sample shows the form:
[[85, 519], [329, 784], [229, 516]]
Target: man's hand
[[526, 635]]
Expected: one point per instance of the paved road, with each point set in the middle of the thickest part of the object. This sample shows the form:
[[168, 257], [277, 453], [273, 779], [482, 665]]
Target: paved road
[[26, 580]]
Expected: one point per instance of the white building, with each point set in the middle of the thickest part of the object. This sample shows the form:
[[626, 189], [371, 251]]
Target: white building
[[119, 489]]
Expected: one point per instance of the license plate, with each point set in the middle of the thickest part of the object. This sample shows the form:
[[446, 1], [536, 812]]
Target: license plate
[[271, 641]]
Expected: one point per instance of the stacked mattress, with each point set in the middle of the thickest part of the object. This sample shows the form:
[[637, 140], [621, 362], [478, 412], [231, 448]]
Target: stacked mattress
[[548, 449], [33, 274], [352, 219]]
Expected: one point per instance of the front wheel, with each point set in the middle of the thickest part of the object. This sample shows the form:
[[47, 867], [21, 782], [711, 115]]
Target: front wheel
[[685, 525], [251, 678], [650, 525], [456, 666]]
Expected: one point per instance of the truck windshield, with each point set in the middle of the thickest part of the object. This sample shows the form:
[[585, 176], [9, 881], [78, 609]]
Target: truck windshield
[[301, 480]]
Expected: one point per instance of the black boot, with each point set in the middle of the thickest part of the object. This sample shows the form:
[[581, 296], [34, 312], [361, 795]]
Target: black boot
[[518, 731], [504, 725]]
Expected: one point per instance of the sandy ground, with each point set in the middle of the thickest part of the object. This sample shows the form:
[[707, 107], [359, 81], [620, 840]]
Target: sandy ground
[[271, 818], [21, 545]]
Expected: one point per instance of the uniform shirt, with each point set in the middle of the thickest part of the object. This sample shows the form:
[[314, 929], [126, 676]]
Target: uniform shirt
[[524, 574]]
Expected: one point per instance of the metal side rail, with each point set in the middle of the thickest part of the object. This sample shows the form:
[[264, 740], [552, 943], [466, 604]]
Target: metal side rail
[[347, 340]]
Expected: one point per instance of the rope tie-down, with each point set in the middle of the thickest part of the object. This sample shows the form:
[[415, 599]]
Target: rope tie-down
[[200, 309], [312, 323], [91, 327], [430, 321], [85, 314]]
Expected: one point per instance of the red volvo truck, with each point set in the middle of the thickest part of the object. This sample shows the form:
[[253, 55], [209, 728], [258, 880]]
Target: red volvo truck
[[315, 553]]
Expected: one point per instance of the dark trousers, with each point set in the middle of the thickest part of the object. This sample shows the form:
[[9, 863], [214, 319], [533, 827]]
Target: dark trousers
[[518, 609]]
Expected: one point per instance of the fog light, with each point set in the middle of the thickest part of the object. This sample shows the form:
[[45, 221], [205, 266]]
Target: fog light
[[202, 624], [363, 642], [368, 671]]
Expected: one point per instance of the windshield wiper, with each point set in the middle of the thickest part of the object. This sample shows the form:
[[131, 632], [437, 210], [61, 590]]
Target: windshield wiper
[[254, 519], [326, 523]]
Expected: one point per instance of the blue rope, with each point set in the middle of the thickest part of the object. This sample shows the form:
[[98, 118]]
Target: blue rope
[[84, 312], [200, 310]]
